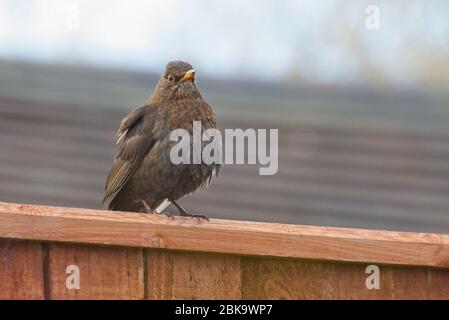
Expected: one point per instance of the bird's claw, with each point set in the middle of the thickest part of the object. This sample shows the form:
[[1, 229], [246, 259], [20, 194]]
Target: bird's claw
[[199, 216], [183, 212], [172, 217]]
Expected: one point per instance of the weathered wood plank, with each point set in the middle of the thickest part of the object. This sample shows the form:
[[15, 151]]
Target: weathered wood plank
[[300, 279], [180, 275], [438, 283], [222, 236], [104, 272], [396, 282], [287, 279], [21, 270]]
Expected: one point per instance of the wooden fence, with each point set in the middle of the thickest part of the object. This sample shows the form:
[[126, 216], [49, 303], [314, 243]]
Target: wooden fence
[[139, 256]]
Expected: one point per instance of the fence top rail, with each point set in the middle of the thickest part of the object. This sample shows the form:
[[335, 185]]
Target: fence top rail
[[86, 226]]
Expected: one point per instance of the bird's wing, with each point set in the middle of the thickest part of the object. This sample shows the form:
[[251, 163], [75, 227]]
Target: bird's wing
[[135, 138]]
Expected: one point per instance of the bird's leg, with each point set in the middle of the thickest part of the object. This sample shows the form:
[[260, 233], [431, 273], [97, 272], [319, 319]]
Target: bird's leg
[[147, 207], [149, 211], [183, 212]]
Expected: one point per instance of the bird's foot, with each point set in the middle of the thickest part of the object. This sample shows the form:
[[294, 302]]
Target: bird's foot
[[183, 212], [169, 215], [187, 214]]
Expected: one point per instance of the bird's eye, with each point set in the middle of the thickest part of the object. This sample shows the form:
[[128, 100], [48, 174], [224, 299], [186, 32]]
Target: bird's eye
[[171, 78]]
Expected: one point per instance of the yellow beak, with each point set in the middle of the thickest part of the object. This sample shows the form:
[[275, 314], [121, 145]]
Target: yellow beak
[[189, 75]]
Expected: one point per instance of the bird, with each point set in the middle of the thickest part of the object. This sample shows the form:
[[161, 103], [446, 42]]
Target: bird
[[142, 177]]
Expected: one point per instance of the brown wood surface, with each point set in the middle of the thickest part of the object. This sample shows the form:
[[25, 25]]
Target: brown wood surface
[[222, 236], [105, 272], [181, 275], [21, 270], [139, 256], [298, 279], [438, 284]]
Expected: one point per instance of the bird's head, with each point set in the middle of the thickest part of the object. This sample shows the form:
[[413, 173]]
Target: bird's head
[[176, 82]]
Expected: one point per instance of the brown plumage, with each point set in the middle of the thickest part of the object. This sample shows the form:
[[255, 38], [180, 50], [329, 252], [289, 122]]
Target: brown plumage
[[142, 177]]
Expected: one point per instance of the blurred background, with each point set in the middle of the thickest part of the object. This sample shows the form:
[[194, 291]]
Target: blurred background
[[358, 91]]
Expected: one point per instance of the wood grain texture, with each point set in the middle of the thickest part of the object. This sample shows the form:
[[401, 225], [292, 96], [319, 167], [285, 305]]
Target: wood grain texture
[[21, 270], [396, 282], [105, 272], [180, 275], [300, 279], [222, 236], [287, 279], [438, 284]]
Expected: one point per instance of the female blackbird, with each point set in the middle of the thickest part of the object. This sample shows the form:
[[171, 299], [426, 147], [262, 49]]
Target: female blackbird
[[142, 177]]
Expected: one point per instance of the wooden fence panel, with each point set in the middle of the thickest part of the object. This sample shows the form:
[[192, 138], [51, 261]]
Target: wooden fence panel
[[138, 256], [302, 279], [438, 284], [88, 226], [396, 282], [182, 275], [104, 272], [21, 270]]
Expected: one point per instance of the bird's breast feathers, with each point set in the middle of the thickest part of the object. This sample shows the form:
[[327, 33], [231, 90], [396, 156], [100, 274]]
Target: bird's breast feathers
[[182, 114]]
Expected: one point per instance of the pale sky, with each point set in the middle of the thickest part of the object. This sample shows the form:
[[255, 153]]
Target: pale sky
[[322, 41]]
